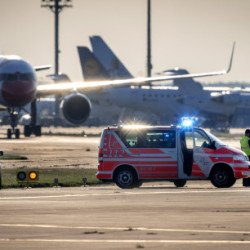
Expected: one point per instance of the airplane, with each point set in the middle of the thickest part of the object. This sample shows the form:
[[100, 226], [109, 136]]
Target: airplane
[[18, 87], [186, 97], [108, 59]]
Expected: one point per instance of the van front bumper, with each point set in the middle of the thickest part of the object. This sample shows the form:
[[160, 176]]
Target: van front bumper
[[241, 170]]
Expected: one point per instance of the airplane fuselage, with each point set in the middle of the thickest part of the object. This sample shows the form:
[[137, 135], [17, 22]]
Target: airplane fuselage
[[166, 101], [17, 82]]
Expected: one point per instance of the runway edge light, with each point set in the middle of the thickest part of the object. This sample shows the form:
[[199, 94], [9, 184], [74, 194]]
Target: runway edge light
[[27, 176], [33, 175]]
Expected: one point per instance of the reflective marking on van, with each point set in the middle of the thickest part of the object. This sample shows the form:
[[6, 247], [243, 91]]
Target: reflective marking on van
[[105, 172], [170, 161], [220, 155]]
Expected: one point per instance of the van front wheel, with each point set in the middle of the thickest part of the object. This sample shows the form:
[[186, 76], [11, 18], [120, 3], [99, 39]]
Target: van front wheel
[[125, 178], [222, 178]]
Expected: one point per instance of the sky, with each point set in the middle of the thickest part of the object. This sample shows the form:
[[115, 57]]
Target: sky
[[194, 34]]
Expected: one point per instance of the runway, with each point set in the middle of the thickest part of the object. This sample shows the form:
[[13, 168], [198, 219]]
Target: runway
[[155, 216]]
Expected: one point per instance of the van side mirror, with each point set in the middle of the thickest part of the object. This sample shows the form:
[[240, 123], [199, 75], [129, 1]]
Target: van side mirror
[[212, 146]]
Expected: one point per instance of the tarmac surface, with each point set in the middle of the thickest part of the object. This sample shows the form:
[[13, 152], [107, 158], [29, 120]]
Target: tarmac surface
[[154, 216], [52, 152]]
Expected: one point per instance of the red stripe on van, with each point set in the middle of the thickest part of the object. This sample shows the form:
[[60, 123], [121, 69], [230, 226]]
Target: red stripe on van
[[114, 143], [222, 159], [196, 171], [158, 176], [146, 151], [219, 151], [103, 176], [156, 169]]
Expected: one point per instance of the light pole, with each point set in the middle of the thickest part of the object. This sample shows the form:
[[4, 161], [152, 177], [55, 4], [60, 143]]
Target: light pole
[[149, 65], [56, 6]]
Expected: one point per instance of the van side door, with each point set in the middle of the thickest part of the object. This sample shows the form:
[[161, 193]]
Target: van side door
[[202, 150], [158, 154], [186, 153]]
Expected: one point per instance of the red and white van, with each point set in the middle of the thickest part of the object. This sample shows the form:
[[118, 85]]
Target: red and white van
[[130, 155]]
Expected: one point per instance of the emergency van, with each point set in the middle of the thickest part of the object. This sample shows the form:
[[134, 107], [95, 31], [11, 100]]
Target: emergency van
[[131, 155]]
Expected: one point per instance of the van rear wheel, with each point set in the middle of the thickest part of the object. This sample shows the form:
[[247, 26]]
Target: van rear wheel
[[180, 183], [125, 178], [222, 178]]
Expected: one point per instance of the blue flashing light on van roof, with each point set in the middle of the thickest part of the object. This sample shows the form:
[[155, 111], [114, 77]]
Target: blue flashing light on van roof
[[188, 121]]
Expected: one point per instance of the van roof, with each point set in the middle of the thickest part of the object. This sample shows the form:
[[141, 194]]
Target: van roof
[[136, 127]]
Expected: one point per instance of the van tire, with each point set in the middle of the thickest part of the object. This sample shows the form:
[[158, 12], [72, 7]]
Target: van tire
[[138, 183], [222, 177], [246, 182], [180, 183], [125, 177]]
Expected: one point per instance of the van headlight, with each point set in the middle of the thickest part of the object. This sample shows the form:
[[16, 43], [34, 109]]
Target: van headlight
[[240, 158]]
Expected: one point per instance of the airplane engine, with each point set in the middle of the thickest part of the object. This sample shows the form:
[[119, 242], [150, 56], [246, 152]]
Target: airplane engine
[[232, 99], [75, 108]]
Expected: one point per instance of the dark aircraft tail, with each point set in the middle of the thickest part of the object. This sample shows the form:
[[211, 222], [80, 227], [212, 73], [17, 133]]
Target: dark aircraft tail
[[92, 69], [108, 59]]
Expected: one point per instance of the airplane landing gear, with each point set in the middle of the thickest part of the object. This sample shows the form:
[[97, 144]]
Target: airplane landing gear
[[29, 129], [32, 128], [14, 115], [11, 132]]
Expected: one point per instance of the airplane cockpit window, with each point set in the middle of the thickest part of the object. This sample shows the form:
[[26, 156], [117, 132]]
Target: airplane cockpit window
[[26, 77], [17, 77], [2, 77], [12, 77]]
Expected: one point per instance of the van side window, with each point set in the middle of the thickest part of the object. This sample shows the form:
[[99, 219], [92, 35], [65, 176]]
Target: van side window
[[129, 138], [160, 139], [148, 138]]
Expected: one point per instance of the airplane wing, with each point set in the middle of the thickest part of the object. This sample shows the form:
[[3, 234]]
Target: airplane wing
[[60, 88], [44, 67]]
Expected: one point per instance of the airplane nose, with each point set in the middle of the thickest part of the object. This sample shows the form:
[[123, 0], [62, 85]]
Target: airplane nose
[[18, 93]]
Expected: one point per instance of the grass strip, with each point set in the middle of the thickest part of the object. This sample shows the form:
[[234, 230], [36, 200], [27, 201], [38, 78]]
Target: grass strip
[[13, 157], [66, 177]]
